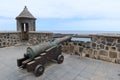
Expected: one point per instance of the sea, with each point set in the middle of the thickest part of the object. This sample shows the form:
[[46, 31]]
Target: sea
[[86, 32]]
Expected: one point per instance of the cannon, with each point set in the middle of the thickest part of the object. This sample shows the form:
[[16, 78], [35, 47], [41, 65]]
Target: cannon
[[37, 56]]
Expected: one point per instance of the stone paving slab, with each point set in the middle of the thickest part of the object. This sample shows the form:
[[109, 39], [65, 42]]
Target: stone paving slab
[[73, 68]]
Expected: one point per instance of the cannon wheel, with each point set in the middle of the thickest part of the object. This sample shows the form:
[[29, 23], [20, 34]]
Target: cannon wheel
[[39, 70], [60, 59]]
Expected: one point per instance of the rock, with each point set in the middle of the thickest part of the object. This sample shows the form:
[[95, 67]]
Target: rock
[[118, 47], [80, 49], [80, 44], [103, 52], [94, 39], [94, 45], [83, 54], [110, 40], [103, 58], [119, 40], [75, 43], [102, 46], [87, 45], [109, 43], [95, 52], [112, 54], [113, 48], [107, 48], [118, 61], [103, 42]]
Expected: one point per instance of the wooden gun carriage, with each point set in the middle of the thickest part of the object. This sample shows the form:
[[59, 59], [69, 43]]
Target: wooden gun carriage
[[37, 56]]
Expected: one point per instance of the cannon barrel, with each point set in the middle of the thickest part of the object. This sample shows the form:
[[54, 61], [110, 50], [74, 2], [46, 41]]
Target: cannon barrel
[[34, 51]]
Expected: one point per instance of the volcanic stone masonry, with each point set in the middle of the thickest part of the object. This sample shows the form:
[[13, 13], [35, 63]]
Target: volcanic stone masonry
[[102, 46], [12, 38], [9, 38], [39, 37]]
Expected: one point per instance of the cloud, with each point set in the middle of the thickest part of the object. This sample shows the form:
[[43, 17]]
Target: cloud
[[7, 24], [78, 8], [63, 8], [92, 25], [67, 14], [73, 24]]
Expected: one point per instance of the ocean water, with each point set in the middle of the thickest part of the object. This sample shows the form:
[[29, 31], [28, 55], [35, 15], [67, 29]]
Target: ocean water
[[81, 39], [87, 32]]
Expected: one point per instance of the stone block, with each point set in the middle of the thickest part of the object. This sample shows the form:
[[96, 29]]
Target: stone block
[[71, 48], [76, 53], [103, 58], [109, 43], [119, 40], [118, 61], [87, 55], [114, 44], [80, 44], [94, 45], [4, 43], [83, 54], [90, 51], [112, 54], [75, 43], [107, 48], [119, 55], [113, 48], [65, 49], [94, 39], [102, 46], [66, 43], [103, 53], [80, 49], [88, 45], [113, 60], [110, 40], [118, 47], [98, 46], [95, 52], [103, 42]]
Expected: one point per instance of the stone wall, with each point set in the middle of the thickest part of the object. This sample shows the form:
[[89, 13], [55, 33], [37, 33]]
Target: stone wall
[[106, 47], [103, 47], [14, 38], [38, 37], [9, 38], [80, 48]]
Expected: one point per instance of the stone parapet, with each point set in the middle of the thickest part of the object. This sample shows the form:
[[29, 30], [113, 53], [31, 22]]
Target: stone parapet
[[102, 46], [38, 37], [107, 47], [12, 38], [9, 38]]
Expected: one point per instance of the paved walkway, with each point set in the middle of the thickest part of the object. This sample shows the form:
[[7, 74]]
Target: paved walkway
[[73, 68]]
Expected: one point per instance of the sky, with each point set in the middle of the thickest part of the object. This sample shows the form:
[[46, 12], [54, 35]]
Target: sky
[[58, 15]]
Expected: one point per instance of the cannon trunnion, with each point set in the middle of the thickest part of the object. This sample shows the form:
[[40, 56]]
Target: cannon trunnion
[[37, 56]]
